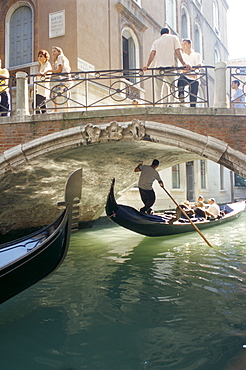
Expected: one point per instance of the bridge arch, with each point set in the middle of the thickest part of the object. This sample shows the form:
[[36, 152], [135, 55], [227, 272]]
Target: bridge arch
[[191, 144], [33, 174]]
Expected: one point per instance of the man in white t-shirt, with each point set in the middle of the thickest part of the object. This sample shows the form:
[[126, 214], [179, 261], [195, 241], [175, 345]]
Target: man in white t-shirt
[[147, 177], [213, 208], [238, 97], [163, 51], [189, 78]]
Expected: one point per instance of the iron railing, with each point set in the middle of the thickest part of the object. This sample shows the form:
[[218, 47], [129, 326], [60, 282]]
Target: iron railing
[[118, 88], [111, 88]]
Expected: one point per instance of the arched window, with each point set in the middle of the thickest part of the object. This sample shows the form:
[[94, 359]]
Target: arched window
[[216, 17], [185, 23], [217, 57], [198, 39], [171, 13], [19, 35], [130, 50]]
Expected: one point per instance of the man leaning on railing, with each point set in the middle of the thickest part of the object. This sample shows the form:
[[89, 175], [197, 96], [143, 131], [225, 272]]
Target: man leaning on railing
[[163, 50], [189, 78], [238, 97], [4, 91]]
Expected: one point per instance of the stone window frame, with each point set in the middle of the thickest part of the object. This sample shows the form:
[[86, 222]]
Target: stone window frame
[[203, 174], [173, 23], [215, 21], [176, 176], [184, 9], [132, 34], [9, 14], [199, 31]]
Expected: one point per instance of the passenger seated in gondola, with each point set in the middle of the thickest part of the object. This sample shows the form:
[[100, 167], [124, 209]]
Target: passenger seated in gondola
[[186, 207], [213, 209], [199, 210], [199, 199]]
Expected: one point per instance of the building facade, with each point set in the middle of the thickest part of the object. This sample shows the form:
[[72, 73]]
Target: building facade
[[118, 34], [108, 34]]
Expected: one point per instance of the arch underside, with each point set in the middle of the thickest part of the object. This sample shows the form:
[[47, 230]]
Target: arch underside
[[33, 175]]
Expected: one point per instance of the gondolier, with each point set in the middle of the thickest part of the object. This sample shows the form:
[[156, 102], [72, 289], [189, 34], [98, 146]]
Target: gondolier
[[146, 179]]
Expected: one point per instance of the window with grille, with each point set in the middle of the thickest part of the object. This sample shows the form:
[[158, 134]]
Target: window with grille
[[176, 177], [203, 174]]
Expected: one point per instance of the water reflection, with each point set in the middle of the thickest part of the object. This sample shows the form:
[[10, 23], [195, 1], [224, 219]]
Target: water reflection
[[124, 301]]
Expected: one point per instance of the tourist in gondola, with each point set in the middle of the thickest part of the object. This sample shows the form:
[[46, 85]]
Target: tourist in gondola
[[199, 210], [213, 209], [147, 177]]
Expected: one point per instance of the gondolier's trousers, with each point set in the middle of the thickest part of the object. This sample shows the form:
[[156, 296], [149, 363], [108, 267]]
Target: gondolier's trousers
[[148, 198]]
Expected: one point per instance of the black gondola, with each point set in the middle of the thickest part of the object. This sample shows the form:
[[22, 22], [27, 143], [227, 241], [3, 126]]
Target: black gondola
[[25, 261], [159, 225]]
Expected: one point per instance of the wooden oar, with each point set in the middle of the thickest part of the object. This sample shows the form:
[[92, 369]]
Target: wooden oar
[[185, 214]]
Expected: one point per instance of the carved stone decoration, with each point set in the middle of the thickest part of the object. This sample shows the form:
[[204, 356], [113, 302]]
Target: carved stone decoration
[[91, 134], [114, 131], [135, 130]]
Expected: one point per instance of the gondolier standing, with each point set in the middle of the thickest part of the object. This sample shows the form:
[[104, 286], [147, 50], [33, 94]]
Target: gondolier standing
[[147, 177]]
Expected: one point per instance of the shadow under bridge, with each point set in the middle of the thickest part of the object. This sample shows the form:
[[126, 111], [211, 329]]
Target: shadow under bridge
[[33, 175]]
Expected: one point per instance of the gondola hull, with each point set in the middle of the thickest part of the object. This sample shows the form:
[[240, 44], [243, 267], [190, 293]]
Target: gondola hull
[[37, 264], [26, 261], [149, 225]]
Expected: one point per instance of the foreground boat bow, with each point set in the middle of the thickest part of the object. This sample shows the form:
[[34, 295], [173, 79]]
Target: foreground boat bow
[[25, 261]]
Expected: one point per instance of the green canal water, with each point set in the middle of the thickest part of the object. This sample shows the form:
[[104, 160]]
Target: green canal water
[[122, 301]]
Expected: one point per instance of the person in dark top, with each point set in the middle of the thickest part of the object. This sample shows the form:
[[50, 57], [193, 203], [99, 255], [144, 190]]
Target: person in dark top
[[147, 177]]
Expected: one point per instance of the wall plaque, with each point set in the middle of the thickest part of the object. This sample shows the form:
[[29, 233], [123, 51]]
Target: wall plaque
[[57, 24]]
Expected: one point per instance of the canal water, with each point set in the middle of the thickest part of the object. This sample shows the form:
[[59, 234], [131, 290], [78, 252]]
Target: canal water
[[122, 301]]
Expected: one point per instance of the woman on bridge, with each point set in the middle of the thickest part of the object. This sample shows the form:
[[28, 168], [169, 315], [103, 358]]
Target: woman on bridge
[[60, 66], [43, 82]]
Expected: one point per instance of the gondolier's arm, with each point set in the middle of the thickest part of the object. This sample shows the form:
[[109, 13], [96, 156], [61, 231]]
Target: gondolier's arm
[[137, 169]]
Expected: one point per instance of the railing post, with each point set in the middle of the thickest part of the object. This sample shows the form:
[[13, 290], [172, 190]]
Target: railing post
[[22, 104], [220, 85]]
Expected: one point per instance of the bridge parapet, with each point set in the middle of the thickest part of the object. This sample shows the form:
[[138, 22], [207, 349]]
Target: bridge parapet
[[107, 89], [228, 130]]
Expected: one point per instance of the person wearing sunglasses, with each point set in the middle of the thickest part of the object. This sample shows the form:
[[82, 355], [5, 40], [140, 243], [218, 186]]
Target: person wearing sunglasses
[[43, 81]]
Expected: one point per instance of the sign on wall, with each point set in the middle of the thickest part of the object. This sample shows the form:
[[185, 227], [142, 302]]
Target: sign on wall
[[85, 66], [57, 24]]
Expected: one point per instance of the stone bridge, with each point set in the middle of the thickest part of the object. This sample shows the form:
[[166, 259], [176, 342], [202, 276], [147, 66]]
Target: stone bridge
[[37, 153]]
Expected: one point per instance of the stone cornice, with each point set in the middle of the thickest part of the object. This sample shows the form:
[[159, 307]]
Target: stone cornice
[[131, 17]]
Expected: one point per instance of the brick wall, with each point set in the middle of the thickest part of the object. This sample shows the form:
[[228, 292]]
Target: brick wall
[[222, 124]]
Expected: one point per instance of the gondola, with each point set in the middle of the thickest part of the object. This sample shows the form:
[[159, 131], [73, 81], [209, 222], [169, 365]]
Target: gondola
[[159, 225], [25, 261]]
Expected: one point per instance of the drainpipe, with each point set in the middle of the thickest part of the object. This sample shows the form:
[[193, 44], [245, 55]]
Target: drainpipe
[[220, 85], [22, 104], [232, 186], [109, 34]]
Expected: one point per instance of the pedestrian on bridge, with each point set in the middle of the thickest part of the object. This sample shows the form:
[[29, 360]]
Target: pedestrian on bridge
[[163, 50], [4, 91], [43, 81], [238, 97], [189, 78], [61, 78]]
